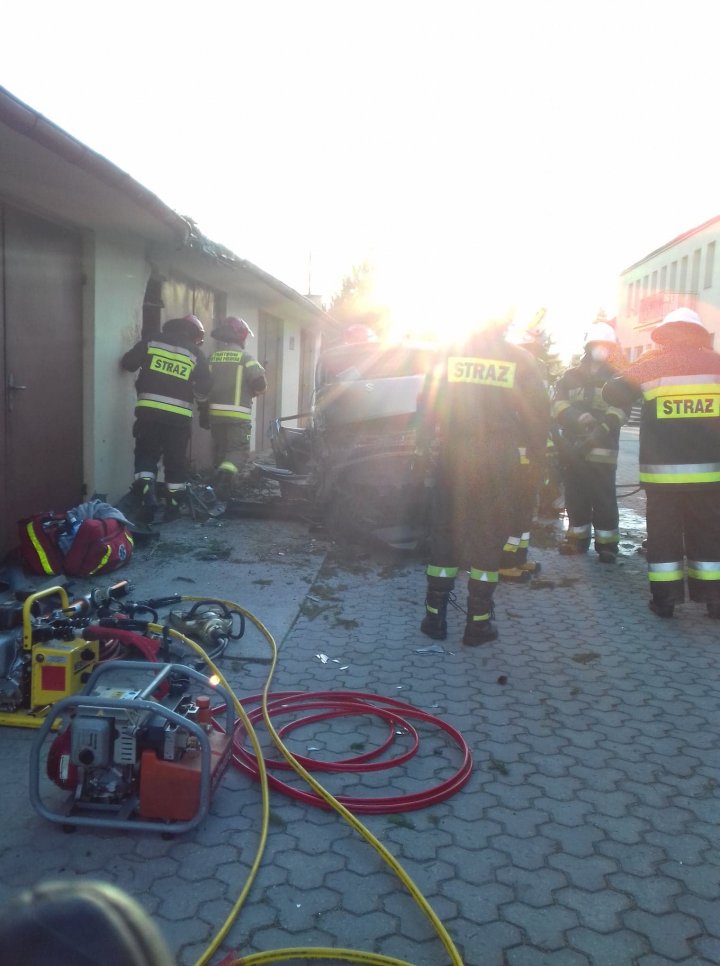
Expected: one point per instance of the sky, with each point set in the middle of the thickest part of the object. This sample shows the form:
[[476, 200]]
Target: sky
[[485, 157]]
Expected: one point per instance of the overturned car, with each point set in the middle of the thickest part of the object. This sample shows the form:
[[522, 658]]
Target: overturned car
[[352, 465]]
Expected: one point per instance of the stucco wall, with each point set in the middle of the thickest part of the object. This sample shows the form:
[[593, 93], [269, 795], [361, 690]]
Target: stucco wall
[[117, 273]]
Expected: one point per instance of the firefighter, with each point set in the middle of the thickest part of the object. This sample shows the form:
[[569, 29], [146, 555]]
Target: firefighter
[[484, 399], [588, 444], [173, 374], [237, 379], [679, 383]]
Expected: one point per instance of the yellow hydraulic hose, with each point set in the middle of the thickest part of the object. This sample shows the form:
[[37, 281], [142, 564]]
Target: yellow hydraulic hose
[[280, 955]]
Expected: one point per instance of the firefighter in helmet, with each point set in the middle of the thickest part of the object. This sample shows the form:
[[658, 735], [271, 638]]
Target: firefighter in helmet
[[484, 399], [173, 375], [679, 384], [237, 379], [588, 443]]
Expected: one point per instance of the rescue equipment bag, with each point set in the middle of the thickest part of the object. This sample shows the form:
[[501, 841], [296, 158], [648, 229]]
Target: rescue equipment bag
[[98, 546], [39, 545]]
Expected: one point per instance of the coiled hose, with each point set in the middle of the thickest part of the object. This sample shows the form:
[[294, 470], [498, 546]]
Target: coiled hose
[[281, 955]]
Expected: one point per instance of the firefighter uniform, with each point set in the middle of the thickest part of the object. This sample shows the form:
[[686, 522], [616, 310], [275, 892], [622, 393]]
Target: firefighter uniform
[[588, 444], [679, 460], [173, 374], [482, 402], [237, 379]]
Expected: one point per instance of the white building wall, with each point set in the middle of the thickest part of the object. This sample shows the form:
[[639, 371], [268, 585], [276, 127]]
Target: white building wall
[[685, 272], [290, 391], [117, 274]]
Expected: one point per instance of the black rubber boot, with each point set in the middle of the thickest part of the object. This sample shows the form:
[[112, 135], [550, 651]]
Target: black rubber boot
[[661, 607], [434, 623], [144, 497], [175, 500], [480, 627], [223, 484]]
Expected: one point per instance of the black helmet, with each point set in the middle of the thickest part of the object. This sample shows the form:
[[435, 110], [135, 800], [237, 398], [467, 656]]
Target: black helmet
[[189, 329], [232, 329]]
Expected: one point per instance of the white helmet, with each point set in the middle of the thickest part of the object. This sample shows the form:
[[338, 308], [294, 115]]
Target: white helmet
[[681, 325], [601, 332]]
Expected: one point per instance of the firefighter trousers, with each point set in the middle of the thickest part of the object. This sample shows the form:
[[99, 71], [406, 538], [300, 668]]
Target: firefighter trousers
[[683, 538], [473, 514], [591, 503], [156, 440]]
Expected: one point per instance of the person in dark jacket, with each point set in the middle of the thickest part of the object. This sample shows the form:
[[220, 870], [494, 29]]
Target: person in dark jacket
[[484, 400], [237, 380], [679, 383], [173, 375], [588, 444]]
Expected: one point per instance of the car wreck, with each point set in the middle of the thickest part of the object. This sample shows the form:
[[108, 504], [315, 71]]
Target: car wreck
[[352, 464]]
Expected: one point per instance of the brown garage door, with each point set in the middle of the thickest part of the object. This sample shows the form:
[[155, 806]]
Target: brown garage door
[[41, 366]]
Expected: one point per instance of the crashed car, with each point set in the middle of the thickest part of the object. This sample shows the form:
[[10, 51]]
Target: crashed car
[[352, 465]]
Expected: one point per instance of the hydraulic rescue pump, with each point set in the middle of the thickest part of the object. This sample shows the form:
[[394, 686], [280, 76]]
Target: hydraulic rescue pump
[[144, 742], [42, 658]]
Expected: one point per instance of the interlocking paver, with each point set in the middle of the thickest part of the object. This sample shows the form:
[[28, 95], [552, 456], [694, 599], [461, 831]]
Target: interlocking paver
[[588, 832]]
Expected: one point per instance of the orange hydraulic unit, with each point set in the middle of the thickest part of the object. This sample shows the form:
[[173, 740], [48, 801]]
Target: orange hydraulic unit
[[144, 744], [170, 790], [38, 668]]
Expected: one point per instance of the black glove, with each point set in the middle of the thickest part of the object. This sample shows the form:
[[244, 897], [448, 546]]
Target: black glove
[[204, 415]]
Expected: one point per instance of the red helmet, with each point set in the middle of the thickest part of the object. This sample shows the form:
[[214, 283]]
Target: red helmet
[[188, 328], [232, 329]]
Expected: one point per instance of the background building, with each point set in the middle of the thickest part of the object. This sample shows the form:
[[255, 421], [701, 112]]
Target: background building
[[90, 260], [685, 271]]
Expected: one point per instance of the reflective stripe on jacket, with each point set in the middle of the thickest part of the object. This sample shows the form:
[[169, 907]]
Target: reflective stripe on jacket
[[680, 417], [171, 377], [578, 391], [237, 379]]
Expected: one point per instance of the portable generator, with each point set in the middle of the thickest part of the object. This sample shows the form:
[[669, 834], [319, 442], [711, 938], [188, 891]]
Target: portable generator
[[132, 750], [42, 660]]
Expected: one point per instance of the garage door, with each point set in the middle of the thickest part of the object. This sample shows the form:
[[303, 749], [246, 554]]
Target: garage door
[[41, 365]]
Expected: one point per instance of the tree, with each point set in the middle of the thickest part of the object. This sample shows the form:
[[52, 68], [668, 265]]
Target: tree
[[354, 302]]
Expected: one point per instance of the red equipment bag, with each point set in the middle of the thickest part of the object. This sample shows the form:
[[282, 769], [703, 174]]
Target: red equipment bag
[[39, 547], [99, 546]]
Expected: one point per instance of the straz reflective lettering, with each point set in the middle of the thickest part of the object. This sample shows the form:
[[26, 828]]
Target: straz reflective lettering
[[481, 372], [691, 405], [171, 365]]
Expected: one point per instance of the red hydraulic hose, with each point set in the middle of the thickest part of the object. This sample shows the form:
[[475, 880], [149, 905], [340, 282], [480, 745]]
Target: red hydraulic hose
[[344, 704]]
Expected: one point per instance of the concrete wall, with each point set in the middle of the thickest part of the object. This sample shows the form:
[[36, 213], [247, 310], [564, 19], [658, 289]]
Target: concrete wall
[[117, 274]]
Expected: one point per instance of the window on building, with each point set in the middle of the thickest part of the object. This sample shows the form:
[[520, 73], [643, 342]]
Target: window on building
[[653, 283], [673, 276], [709, 264], [695, 278], [645, 286], [683, 273], [663, 279]]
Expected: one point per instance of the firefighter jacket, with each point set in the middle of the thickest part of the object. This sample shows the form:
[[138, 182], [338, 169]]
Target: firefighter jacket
[[172, 376], [237, 379], [579, 391], [680, 417], [483, 396]]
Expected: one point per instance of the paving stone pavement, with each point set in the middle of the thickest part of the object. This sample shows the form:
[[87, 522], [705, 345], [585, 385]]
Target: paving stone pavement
[[587, 833]]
